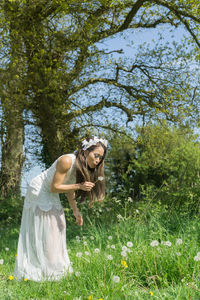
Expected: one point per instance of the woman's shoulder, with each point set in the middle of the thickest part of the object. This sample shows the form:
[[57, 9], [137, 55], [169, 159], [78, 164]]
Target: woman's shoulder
[[65, 162]]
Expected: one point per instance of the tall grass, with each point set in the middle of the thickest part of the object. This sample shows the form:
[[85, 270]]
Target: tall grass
[[168, 268]]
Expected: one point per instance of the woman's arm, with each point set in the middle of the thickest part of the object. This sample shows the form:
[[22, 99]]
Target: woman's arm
[[62, 167], [73, 205]]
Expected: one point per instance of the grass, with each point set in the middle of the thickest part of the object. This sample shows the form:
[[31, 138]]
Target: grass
[[147, 272]]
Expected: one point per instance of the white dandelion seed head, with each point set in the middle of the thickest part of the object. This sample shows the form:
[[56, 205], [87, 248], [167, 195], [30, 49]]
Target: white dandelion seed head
[[92, 238], [124, 253], [197, 258], [78, 237], [124, 248], [179, 242], [1, 261], [129, 244], [100, 178], [116, 279], [167, 243], [96, 250], [85, 243], [112, 247], [110, 237], [79, 254], [109, 257], [7, 249], [154, 243], [87, 253]]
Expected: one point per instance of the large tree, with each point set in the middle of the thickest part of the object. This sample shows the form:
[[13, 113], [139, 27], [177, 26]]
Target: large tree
[[68, 76]]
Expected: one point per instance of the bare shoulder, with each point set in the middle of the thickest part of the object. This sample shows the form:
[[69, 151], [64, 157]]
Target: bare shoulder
[[64, 163]]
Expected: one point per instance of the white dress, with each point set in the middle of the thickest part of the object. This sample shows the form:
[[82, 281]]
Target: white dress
[[42, 253]]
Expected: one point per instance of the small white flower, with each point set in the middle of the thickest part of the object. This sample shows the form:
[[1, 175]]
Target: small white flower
[[92, 238], [112, 246], [124, 253], [154, 243], [85, 243], [96, 250], [197, 258], [110, 237], [116, 279], [124, 248], [178, 253], [78, 273], [79, 254], [129, 244], [167, 243], [109, 257], [1, 261], [87, 253], [179, 241], [78, 237], [137, 211], [7, 249]]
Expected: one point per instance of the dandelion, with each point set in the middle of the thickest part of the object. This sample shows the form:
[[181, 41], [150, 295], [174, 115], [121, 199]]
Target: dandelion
[[154, 243], [124, 248], [85, 243], [109, 257], [7, 249], [16, 254], [179, 241], [129, 250], [116, 279], [96, 250], [167, 243], [11, 277], [25, 279], [151, 293], [124, 254], [79, 254], [197, 258], [78, 274], [1, 261], [90, 297], [87, 253], [110, 237], [78, 237], [92, 238], [129, 244], [123, 262], [100, 298], [112, 247]]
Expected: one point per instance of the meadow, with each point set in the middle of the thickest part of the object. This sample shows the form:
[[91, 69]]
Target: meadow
[[121, 252]]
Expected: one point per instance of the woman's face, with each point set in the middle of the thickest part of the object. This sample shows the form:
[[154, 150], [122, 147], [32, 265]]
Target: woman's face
[[94, 157]]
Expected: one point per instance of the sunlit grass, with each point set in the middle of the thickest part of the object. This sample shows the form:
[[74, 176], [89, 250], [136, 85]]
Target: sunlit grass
[[132, 257]]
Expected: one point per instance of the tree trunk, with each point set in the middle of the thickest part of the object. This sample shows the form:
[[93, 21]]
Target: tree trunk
[[12, 150]]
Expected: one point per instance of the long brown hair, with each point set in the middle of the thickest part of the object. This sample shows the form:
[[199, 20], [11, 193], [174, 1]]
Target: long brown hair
[[85, 173]]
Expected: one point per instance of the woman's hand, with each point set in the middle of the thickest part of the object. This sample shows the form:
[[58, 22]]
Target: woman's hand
[[79, 218], [86, 186]]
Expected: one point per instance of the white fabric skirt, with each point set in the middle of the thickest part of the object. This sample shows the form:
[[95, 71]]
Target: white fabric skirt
[[42, 253]]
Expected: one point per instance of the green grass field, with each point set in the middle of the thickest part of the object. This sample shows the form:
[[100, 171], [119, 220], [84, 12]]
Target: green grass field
[[117, 256]]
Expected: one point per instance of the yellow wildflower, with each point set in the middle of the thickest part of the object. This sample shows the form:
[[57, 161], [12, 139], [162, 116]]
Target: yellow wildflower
[[15, 254], [90, 297], [151, 293], [25, 279], [123, 262], [11, 277]]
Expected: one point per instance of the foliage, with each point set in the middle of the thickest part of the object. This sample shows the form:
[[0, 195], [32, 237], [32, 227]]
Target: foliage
[[162, 164], [166, 271]]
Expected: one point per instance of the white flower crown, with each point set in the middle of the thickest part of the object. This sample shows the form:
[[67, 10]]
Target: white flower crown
[[94, 141]]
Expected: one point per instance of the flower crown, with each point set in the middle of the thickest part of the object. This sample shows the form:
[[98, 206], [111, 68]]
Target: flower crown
[[87, 144]]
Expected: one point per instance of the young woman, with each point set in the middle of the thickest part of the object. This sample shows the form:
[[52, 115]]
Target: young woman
[[42, 253]]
